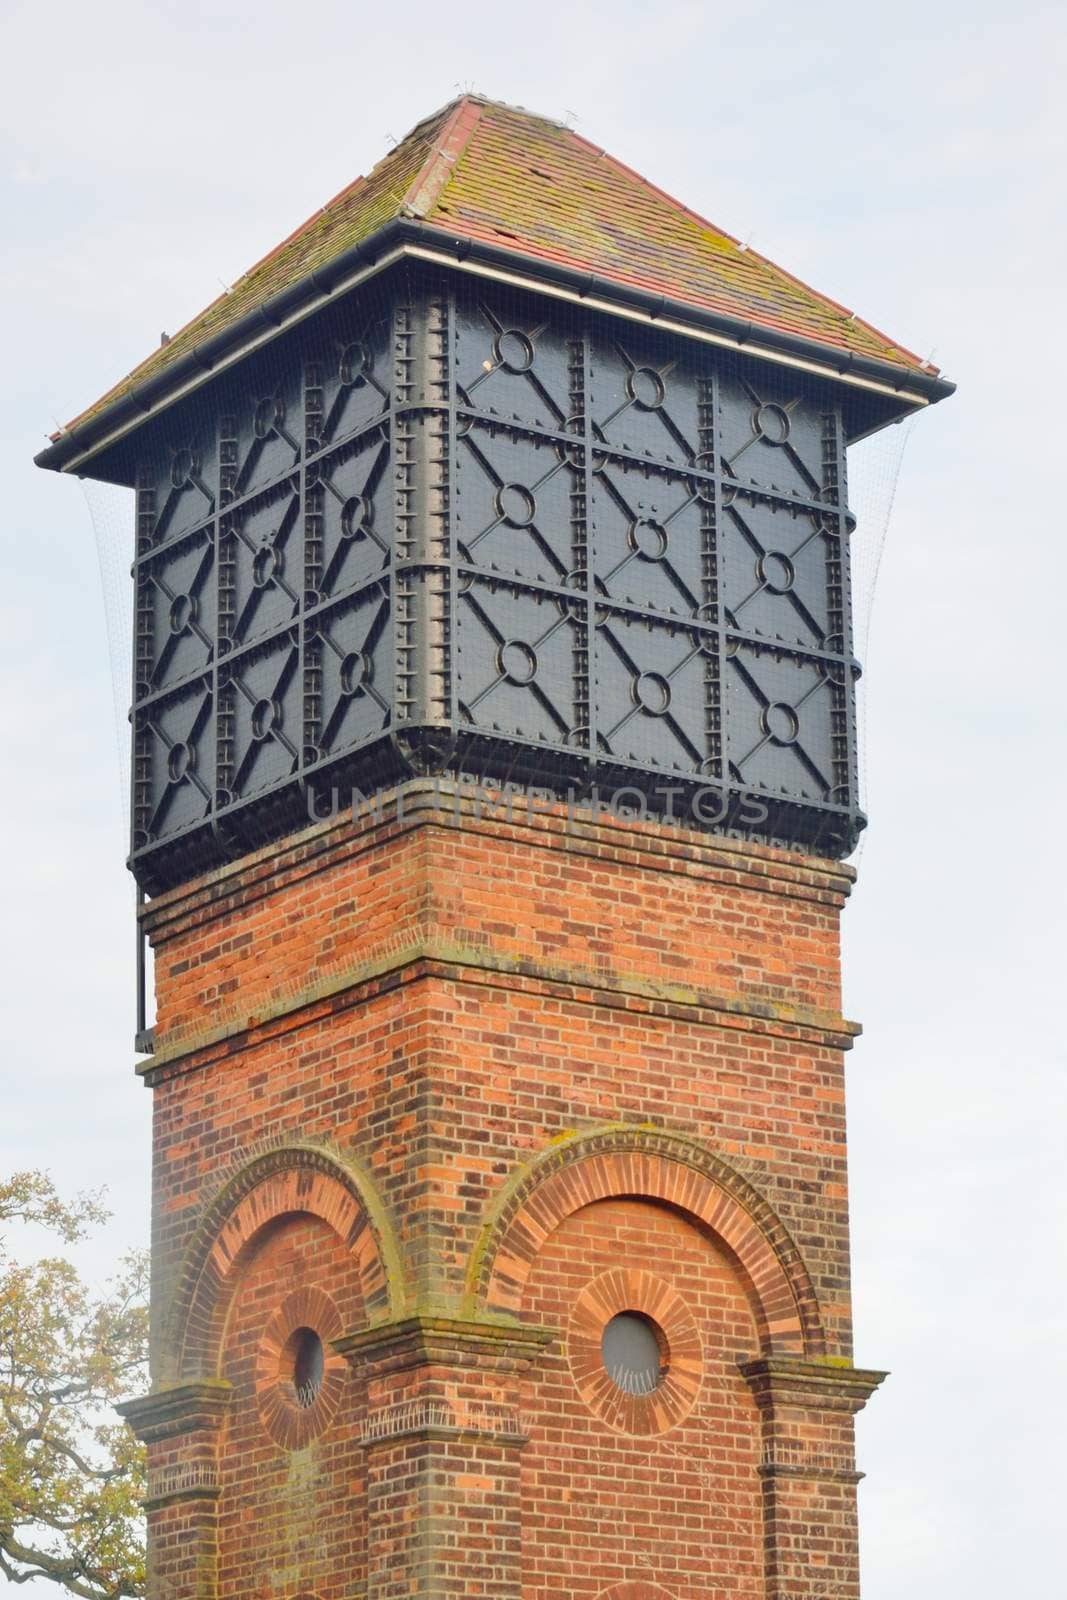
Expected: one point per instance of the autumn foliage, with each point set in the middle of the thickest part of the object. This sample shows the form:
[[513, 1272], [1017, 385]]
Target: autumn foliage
[[71, 1474]]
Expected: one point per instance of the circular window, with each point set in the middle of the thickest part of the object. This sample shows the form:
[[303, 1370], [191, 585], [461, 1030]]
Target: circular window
[[306, 1359], [299, 1377], [633, 1350]]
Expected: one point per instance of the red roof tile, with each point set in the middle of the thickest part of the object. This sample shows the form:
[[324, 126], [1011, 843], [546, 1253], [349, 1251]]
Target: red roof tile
[[495, 173]]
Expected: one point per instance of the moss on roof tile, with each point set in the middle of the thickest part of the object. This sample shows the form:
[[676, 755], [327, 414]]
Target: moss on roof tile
[[505, 176]]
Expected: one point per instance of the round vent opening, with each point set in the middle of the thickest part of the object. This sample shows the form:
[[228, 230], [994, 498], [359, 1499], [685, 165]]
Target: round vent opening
[[306, 1364], [634, 1350]]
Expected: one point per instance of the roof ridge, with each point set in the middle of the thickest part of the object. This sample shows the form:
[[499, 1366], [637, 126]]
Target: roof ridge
[[124, 383], [453, 138], [347, 189], [486, 102]]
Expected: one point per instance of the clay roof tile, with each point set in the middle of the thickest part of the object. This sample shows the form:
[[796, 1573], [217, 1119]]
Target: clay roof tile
[[496, 173]]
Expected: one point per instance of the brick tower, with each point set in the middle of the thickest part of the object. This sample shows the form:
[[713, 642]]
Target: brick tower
[[493, 768]]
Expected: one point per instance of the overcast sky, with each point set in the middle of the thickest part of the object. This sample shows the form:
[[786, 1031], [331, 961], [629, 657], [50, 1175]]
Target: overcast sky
[[907, 159]]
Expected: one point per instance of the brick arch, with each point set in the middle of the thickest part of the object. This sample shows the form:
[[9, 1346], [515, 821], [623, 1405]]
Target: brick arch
[[287, 1181], [641, 1163]]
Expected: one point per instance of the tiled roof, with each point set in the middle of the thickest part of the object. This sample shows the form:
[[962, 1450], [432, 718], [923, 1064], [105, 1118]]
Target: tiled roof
[[523, 183]]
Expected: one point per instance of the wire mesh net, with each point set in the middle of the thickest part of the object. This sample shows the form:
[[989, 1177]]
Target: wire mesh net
[[113, 512]]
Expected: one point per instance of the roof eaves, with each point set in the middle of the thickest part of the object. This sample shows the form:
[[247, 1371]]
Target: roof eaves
[[747, 334], [75, 445], [128, 384]]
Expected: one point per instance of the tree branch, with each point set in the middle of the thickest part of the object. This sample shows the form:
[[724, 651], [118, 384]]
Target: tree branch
[[65, 1573]]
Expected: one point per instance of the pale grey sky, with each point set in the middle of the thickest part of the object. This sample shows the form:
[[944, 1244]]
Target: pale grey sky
[[907, 159]]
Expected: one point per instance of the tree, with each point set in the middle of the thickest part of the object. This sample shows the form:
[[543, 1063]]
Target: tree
[[71, 1475]]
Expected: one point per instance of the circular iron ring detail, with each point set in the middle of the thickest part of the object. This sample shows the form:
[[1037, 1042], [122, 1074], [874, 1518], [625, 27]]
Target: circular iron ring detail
[[183, 610], [354, 364], [266, 417], [648, 539], [513, 350], [703, 461], [355, 517], [780, 722], [707, 644], [517, 661], [770, 422], [645, 388], [182, 468], [266, 716], [355, 672], [515, 504], [776, 572], [266, 565], [652, 693], [181, 758]]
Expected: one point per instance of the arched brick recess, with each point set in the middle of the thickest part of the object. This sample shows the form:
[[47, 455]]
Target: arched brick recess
[[291, 1478], [635, 1591], [676, 1506], [288, 1181], [646, 1164]]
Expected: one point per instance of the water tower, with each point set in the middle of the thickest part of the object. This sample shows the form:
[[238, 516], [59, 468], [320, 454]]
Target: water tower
[[494, 763]]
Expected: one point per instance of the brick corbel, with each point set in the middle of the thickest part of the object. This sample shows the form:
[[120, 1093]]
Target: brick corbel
[[184, 1408], [180, 1425]]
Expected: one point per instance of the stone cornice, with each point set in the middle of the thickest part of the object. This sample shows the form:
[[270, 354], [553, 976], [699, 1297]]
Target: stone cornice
[[827, 1385], [182, 1408], [428, 1340], [822, 1472]]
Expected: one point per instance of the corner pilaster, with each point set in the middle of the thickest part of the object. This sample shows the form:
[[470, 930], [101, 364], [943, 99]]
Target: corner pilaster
[[443, 1436], [808, 1468], [181, 1428]]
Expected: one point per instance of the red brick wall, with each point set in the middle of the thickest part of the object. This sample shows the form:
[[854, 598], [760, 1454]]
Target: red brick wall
[[436, 1004]]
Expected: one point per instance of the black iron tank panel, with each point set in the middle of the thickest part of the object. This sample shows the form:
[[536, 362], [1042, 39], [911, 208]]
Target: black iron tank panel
[[441, 527]]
